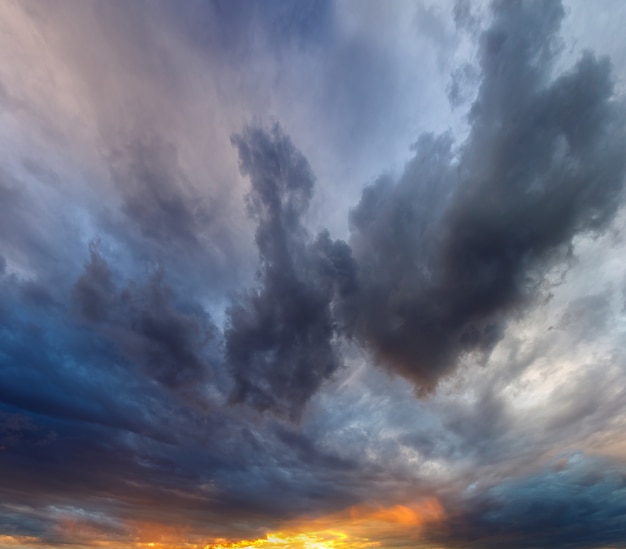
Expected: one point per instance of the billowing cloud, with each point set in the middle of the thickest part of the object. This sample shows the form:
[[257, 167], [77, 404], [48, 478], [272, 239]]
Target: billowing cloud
[[465, 236], [215, 313], [279, 341]]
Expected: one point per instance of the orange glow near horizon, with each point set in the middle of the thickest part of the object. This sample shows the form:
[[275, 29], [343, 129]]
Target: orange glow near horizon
[[358, 527], [17, 541], [362, 526]]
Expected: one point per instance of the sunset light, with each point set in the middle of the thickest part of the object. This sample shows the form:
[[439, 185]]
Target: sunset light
[[312, 274]]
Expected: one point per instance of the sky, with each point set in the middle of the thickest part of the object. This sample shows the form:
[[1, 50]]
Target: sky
[[322, 274]]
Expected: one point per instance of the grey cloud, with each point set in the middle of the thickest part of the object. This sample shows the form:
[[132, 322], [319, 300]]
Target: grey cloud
[[432, 26], [170, 341], [95, 289], [228, 466], [445, 254], [155, 199], [16, 231], [149, 324], [35, 237], [155, 125], [587, 316], [462, 83], [172, 217], [279, 340], [577, 502], [461, 240], [465, 16], [137, 446]]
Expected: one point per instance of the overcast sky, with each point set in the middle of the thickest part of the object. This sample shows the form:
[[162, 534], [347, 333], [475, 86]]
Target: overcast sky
[[312, 275]]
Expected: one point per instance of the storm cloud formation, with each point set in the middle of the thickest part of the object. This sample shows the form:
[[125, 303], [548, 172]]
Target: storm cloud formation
[[200, 309], [279, 341], [171, 344], [465, 237]]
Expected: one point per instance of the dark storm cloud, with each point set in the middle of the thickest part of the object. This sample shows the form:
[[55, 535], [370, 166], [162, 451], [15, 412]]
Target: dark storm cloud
[[170, 342], [578, 502], [206, 473], [456, 244], [87, 431], [87, 438], [48, 368], [114, 379], [279, 341]]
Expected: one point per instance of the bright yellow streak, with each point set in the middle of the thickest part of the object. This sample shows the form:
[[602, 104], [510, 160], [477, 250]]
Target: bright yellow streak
[[317, 540]]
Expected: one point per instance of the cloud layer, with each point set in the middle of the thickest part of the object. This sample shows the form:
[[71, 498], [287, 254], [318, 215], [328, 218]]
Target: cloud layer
[[220, 324]]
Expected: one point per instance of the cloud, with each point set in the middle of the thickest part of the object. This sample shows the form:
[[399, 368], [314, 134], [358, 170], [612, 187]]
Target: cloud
[[465, 237], [88, 396], [121, 362], [154, 196], [279, 339], [172, 345], [577, 502], [19, 429]]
